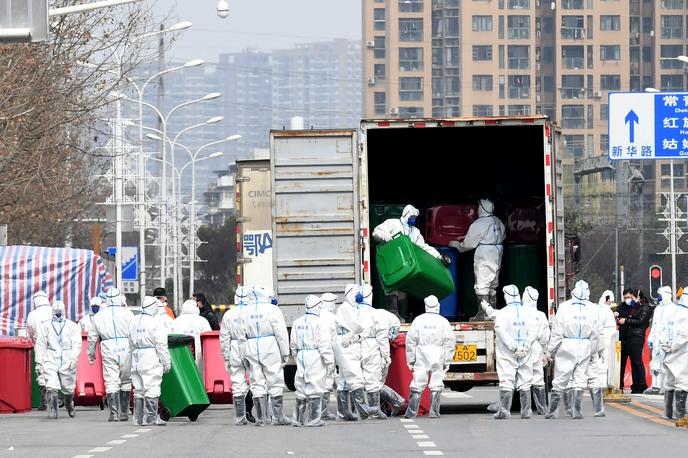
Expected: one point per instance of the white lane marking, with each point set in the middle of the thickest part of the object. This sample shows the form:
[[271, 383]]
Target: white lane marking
[[99, 449], [456, 395], [117, 442], [411, 426], [420, 436], [82, 456], [416, 431], [143, 430], [407, 420], [426, 444], [130, 436], [433, 453]]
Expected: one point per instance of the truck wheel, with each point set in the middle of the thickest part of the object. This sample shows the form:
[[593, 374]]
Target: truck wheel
[[165, 414], [289, 374], [459, 386]]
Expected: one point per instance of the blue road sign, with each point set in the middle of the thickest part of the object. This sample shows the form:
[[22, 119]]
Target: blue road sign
[[130, 263], [648, 125]]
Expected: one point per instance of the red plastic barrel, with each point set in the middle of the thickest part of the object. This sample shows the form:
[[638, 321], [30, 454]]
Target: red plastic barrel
[[399, 376], [215, 376], [90, 384], [445, 223], [15, 374], [525, 223]]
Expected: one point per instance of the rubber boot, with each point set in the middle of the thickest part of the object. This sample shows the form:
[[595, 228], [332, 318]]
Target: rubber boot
[[138, 411], [240, 410], [44, 405], [358, 397], [113, 403], [374, 406], [326, 407], [553, 411], [69, 404], [526, 410], [669, 404], [494, 407], [278, 417], [480, 316], [343, 406], [315, 412], [540, 396], [299, 412], [567, 401], [435, 400], [249, 407], [597, 402], [150, 413], [52, 402], [393, 398], [261, 405], [577, 404], [124, 400], [506, 397], [681, 397], [413, 405]]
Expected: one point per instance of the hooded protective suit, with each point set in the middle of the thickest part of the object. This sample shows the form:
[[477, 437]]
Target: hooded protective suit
[[599, 363], [529, 300], [41, 314], [659, 318], [391, 227], [673, 338], [430, 346], [486, 236], [191, 324], [86, 321], [388, 324], [111, 327], [329, 320], [164, 317]]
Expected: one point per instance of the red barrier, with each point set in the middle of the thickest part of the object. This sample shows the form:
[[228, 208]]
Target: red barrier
[[215, 376], [399, 376], [90, 383], [15, 375]]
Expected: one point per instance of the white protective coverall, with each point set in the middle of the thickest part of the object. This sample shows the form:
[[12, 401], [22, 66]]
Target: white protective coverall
[[329, 319], [164, 317], [86, 321], [192, 324], [388, 324], [149, 360], [529, 299], [574, 339], [111, 326], [658, 322], [391, 227], [41, 314], [430, 346], [58, 347], [673, 340], [486, 236], [311, 347]]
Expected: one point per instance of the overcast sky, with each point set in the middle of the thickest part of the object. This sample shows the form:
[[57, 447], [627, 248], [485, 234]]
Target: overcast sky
[[261, 24]]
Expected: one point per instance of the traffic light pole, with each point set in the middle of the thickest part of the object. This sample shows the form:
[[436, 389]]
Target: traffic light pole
[[672, 223]]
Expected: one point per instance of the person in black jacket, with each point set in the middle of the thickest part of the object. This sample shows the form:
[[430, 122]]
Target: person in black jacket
[[207, 311], [633, 317]]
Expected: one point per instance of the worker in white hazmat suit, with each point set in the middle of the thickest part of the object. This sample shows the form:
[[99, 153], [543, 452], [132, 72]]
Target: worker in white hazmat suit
[[233, 345], [311, 347], [58, 346], [574, 338], [673, 340], [111, 327], [347, 348], [404, 225], [486, 236], [329, 320], [164, 318], [267, 351], [516, 331], [530, 299], [41, 314], [657, 355], [599, 361], [430, 346], [388, 325], [150, 359], [94, 306], [192, 324]]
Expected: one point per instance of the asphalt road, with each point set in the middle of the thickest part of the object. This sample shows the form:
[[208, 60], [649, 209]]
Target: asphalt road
[[465, 429]]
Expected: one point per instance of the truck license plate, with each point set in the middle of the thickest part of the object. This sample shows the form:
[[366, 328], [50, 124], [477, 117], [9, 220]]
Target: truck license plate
[[466, 353]]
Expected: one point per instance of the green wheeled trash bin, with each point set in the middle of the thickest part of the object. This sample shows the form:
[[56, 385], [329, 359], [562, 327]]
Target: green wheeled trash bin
[[522, 265], [182, 393], [406, 267]]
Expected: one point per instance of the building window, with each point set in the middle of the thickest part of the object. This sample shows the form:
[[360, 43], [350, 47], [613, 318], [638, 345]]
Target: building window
[[482, 110], [610, 82], [519, 110], [610, 52], [604, 112], [572, 28], [518, 27], [411, 112], [482, 23], [679, 176], [410, 59], [548, 25], [573, 117], [379, 19], [672, 27], [380, 103], [410, 89], [519, 57], [452, 86], [548, 54], [572, 87], [379, 48], [610, 23], [451, 57], [668, 56], [482, 82], [519, 86], [482, 52], [574, 145], [519, 4], [671, 4], [671, 82], [410, 6], [379, 71], [572, 4], [548, 83], [411, 29], [572, 56], [604, 143]]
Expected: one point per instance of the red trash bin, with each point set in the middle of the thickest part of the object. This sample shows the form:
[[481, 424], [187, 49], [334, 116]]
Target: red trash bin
[[90, 384], [215, 376], [445, 223], [399, 376], [15, 374]]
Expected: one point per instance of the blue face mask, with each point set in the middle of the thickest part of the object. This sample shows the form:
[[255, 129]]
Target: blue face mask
[[58, 315], [412, 221], [95, 309], [274, 301]]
